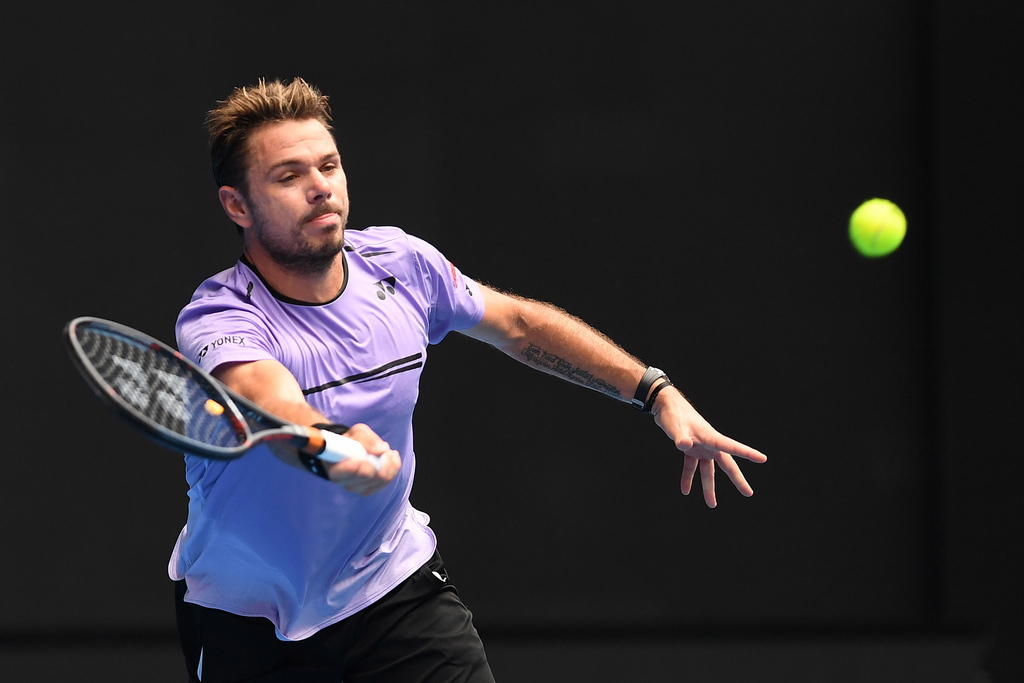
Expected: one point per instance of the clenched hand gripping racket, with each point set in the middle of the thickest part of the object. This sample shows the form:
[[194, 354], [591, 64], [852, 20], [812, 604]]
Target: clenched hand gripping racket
[[181, 406]]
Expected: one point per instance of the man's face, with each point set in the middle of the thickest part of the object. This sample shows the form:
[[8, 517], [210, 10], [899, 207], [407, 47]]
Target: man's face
[[297, 195]]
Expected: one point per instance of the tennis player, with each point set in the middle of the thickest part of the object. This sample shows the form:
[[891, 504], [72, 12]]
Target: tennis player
[[285, 576]]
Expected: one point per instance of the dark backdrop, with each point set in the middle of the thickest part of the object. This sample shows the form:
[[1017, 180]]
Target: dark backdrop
[[677, 174]]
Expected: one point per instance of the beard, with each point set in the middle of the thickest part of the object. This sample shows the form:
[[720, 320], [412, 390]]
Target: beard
[[296, 251]]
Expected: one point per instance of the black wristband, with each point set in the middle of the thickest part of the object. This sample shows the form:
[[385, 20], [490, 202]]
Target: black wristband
[[651, 375], [654, 394], [312, 462], [335, 427]]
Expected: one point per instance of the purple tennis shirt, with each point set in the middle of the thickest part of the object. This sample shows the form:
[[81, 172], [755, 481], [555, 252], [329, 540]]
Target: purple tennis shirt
[[265, 539]]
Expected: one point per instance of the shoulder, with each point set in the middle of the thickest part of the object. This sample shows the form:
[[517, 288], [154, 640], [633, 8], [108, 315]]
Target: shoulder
[[380, 240], [399, 252], [223, 306], [233, 287]]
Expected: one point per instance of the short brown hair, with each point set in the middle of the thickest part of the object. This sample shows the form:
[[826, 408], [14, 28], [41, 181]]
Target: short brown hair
[[235, 119]]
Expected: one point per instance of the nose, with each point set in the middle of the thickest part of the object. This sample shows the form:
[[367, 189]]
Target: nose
[[319, 188]]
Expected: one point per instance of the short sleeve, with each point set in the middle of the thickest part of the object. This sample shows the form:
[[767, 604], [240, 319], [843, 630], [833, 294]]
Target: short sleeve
[[457, 303], [214, 329]]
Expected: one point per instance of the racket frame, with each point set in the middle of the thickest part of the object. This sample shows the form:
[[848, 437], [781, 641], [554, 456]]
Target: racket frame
[[308, 439]]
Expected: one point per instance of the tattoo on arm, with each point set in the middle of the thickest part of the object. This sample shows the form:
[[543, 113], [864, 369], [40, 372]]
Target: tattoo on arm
[[560, 366]]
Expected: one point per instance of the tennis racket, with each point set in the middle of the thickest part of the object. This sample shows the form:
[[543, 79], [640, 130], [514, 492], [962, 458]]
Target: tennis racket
[[179, 405]]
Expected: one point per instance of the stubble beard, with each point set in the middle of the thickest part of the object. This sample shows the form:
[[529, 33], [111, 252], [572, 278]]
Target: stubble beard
[[299, 253]]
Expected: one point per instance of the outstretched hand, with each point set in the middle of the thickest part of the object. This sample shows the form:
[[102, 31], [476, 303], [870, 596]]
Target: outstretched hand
[[703, 446]]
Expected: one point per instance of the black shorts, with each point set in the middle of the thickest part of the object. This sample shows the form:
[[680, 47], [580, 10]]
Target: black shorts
[[420, 632]]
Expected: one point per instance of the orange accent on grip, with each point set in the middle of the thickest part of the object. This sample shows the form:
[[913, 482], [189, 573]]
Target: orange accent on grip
[[316, 443]]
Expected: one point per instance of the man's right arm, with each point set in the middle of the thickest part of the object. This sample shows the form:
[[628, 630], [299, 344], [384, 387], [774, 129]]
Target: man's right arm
[[271, 386]]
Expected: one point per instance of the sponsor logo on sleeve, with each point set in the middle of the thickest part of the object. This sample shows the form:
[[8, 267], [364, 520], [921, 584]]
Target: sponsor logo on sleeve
[[234, 339], [455, 279]]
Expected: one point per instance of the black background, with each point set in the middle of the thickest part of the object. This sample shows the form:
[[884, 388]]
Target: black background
[[677, 174]]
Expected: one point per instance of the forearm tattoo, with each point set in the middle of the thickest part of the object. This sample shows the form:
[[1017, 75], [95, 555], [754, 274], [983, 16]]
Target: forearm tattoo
[[560, 366]]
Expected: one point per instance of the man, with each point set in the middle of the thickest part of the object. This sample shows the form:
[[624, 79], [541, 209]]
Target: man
[[282, 575]]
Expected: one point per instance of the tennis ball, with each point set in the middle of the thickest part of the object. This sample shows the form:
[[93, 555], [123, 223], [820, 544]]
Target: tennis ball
[[877, 227], [213, 408]]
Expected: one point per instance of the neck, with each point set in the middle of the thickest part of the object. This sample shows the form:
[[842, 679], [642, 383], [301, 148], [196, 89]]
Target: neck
[[315, 287]]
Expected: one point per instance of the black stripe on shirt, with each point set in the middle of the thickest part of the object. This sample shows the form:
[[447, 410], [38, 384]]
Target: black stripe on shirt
[[370, 375], [369, 254]]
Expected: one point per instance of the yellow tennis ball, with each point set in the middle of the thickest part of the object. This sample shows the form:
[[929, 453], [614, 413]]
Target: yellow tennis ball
[[877, 227], [213, 408]]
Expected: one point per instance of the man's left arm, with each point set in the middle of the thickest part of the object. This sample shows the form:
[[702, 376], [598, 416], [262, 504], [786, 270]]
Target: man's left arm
[[549, 339]]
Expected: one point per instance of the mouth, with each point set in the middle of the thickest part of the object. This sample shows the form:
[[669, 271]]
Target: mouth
[[323, 220]]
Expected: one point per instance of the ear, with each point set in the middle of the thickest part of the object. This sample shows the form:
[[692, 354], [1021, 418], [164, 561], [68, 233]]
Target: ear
[[235, 206]]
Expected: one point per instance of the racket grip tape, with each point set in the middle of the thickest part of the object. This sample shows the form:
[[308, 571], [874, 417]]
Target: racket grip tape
[[327, 444], [338, 448]]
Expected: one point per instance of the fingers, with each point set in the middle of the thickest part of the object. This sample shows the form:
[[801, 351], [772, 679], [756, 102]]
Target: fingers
[[707, 482], [362, 476], [373, 444], [715, 444], [706, 464], [740, 450], [689, 469], [732, 470]]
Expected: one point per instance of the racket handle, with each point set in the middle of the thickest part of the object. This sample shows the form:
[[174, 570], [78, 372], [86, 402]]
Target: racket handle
[[338, 448]]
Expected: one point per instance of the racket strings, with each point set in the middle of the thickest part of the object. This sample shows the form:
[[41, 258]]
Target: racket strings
[[160, 388]]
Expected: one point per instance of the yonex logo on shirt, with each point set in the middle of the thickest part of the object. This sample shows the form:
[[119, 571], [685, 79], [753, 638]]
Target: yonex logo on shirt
[[386, 285], [236, 339]]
